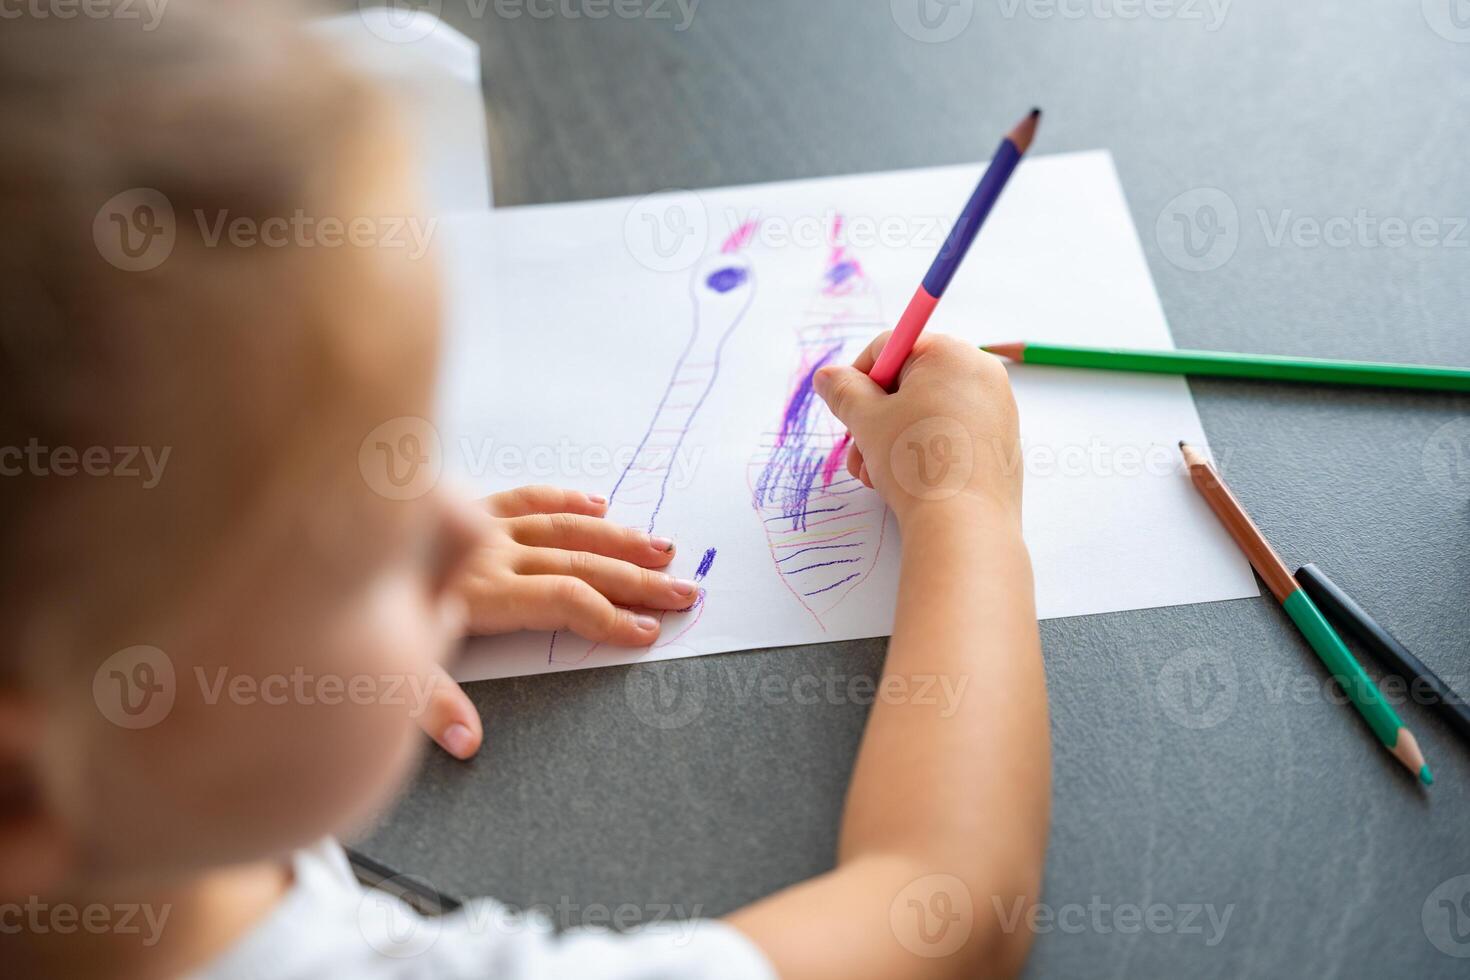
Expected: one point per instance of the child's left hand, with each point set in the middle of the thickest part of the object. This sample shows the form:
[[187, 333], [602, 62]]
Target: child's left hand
[[550, 562]]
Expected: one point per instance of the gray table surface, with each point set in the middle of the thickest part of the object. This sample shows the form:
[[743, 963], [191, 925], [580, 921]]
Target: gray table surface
[[1199, 759]]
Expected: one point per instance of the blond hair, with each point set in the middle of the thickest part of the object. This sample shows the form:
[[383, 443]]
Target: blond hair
[[218, 354]]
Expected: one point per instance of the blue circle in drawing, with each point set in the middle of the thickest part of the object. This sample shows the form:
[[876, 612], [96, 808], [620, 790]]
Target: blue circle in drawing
[[726, 279]]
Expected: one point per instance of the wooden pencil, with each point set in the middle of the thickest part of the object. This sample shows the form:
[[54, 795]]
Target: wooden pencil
[[1221, 364], [1381, 718]]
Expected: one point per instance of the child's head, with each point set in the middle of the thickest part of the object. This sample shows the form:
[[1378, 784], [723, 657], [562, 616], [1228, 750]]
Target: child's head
[[180, 449]]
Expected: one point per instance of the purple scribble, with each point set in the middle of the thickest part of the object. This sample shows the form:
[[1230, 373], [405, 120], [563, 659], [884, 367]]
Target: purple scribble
[[721, 299], [834, 585], [798, 474], [724, 280], [704, 565]]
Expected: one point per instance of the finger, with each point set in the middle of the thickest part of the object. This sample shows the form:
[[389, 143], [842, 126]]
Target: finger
[[556, 602], [574, 532], [545, 500], [848, 392], [622, 582], [855, 461], [869, 356], [449, 717]]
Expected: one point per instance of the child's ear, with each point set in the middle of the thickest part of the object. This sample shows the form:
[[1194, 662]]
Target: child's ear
[[34, 851]]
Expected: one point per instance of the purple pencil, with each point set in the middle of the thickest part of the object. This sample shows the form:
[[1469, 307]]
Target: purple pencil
[[956, 247]]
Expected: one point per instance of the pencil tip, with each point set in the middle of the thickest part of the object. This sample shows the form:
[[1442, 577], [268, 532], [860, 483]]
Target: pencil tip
[[1183, 444], [1426, 777], [1013, 351], [1025, 130]]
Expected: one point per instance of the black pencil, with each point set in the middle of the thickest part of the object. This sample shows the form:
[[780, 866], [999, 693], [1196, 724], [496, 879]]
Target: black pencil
[[1387, 650]]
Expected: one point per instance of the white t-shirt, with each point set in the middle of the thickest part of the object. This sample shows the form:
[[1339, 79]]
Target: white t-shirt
[[328, 925]]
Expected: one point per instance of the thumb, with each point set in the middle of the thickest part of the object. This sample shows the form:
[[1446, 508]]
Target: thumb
[[848, 392]]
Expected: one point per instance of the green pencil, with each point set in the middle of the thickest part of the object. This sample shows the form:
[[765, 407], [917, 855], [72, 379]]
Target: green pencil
[[1319, 634], [1224, 365]]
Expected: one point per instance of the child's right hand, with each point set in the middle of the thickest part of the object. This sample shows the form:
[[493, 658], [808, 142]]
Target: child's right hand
[[949, 433]]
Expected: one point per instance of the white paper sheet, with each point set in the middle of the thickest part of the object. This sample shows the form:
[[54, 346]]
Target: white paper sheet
[[567, 324]]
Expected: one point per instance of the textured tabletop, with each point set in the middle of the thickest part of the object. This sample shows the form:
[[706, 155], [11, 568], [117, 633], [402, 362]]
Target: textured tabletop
[[1298, 175]]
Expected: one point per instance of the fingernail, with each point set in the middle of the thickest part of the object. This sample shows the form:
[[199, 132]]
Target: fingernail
[[682, 586], [459, 740], [597, 499], [646, 623], [662, 544]]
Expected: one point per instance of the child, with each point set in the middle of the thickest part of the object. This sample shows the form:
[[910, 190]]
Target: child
[[161, 814]]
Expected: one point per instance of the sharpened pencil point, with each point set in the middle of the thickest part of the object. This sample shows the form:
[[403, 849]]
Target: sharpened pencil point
[[1183, 444], [1012, 352], [1035, 113], [1426, 777]]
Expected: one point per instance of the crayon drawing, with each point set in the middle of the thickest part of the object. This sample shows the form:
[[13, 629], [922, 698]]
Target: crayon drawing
[[721, 290], [824, 528]]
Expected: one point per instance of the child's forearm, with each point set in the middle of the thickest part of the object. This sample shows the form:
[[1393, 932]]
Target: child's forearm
[[954, 770], [952, 783]]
